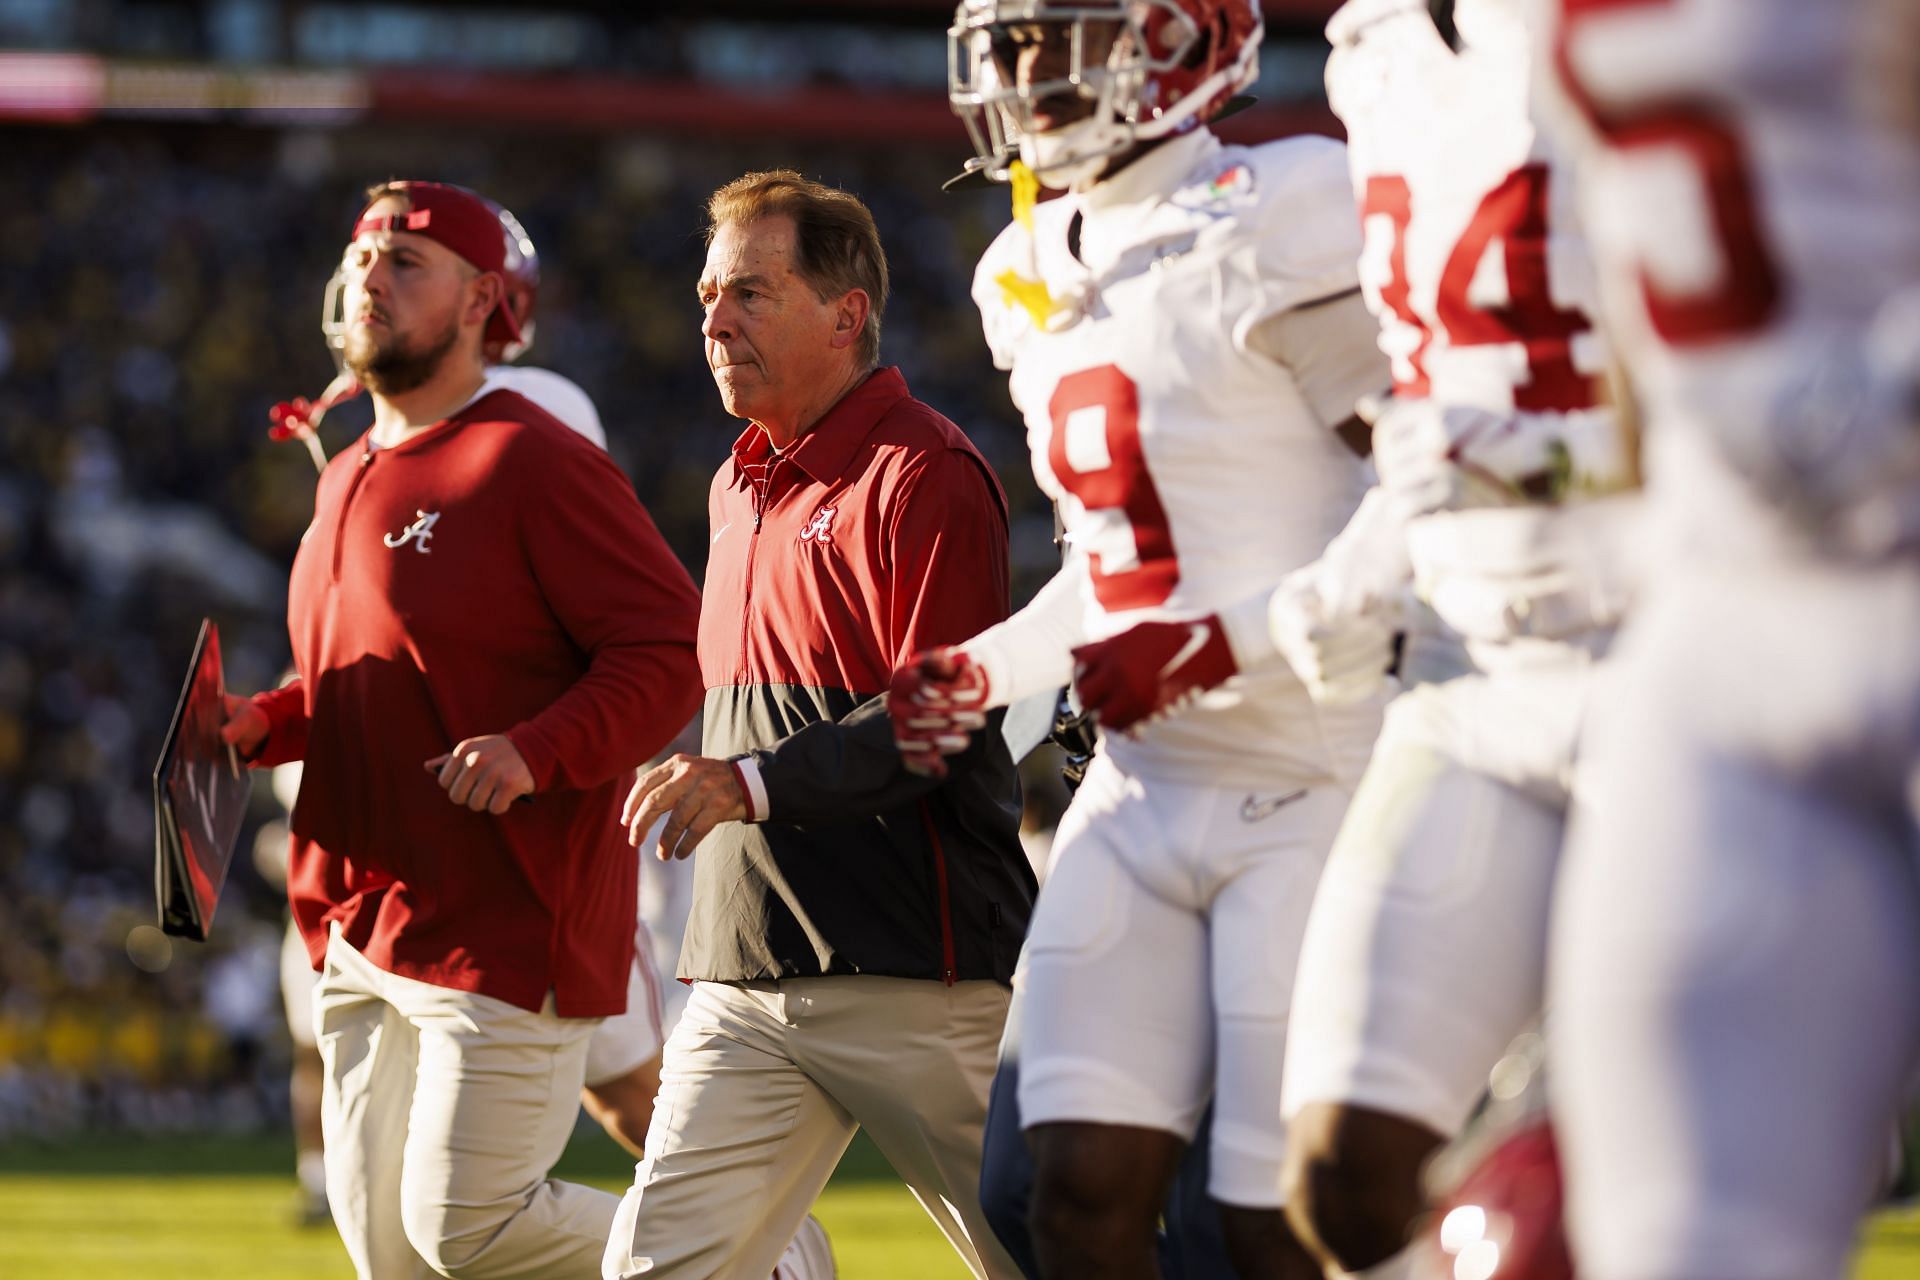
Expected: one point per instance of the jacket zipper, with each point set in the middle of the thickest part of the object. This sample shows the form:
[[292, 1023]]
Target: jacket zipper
[[946, 903], [761, 498], [346, 505]]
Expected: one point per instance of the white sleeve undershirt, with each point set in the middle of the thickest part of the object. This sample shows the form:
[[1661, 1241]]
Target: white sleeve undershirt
[[1332, 348], [1032, 651]]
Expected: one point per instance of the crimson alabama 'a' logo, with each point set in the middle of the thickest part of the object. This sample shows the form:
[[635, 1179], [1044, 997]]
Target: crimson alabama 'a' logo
[[820, 528]]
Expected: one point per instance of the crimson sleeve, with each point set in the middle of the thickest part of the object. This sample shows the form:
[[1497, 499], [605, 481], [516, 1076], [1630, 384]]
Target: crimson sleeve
[[947, 581], [286, 712], [626, 601], [949, 542]]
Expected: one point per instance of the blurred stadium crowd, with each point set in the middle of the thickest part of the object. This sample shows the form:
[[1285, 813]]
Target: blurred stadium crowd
[[160, 289]]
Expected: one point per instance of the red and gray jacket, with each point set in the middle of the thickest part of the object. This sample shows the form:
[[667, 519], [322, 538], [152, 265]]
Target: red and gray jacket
[[879, 533]]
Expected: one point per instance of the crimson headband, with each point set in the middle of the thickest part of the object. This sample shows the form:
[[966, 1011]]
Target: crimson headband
[[456, 218]]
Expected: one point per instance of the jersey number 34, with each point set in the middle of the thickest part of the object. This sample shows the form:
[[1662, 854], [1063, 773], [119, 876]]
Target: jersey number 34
[[1515, 213]]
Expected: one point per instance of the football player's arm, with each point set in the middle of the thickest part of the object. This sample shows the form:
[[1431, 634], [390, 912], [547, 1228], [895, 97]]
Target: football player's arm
[[940, 698], [1331, 347], [949, 581], [625, 600]]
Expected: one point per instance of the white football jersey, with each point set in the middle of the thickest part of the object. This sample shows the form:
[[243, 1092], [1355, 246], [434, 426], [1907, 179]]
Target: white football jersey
[[1187, 466], [1473, 262], [1477, 269], [1751, 175]]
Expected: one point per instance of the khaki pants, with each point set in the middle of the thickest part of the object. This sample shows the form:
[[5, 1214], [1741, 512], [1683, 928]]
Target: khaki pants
[[443, 1111], [762, 1088]]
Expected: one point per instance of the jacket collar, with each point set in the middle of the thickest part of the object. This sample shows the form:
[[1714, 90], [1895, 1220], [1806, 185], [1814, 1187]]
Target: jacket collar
[[826, 450]]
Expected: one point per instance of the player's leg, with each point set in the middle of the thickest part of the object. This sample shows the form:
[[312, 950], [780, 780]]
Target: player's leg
[[623, 1057], [741, 1144], [1267, 867], [1423, 956], [305, 1083], [369, 1053], [495, 1099], [623, 1105], [1096, 1190], [1191, 1244], [1736, 948], [1116, 1034]]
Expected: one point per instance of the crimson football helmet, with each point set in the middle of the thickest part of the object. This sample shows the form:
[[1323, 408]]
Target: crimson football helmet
[[510, 329], [1152, 68], [1498, 1185]]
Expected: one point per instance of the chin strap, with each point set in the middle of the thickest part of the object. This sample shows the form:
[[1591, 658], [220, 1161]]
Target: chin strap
[[1017, 290]]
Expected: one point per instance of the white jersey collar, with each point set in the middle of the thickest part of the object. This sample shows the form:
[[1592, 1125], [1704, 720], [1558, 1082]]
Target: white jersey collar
[[1154, 175]]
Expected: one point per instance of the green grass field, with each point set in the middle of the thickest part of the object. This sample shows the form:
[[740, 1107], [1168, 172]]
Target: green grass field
[[219, 1209]]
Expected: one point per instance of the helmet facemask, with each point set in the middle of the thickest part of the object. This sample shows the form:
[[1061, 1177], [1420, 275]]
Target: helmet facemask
[[1116, 52]]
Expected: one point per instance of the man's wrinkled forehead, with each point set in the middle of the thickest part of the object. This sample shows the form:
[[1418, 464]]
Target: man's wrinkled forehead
[[762, 248]]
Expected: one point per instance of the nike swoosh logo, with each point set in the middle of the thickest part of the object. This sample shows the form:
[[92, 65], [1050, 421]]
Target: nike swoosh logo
[[1253, 808], [717, 532], [1197, 633]]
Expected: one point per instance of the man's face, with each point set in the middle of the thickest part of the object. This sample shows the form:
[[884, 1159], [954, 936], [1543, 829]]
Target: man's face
[[768, 335], [403, 299], [1029, 54]]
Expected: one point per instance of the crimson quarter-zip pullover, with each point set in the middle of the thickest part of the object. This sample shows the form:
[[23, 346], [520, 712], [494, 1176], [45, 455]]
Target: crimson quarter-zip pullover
[[492, 574], [878, 533]]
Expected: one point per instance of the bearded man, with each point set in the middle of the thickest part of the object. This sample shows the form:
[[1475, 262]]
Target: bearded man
[[490, 635]]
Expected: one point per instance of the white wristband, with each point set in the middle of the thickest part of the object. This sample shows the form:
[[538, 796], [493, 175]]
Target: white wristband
[[755, 787]]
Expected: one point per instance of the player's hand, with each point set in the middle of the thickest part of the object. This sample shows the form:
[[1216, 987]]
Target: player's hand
[[936, 701], [245, 728], [486, 774], [1432, 457], [696, 793], [1342, 658], [1153, 670]]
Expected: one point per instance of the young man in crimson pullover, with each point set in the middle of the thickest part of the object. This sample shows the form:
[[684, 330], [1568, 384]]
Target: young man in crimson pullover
[[490, 634], [854, 925]]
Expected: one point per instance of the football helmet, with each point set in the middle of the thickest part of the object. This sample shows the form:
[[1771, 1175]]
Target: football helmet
[[509, 330], [1151, 69], [1498, 1186]]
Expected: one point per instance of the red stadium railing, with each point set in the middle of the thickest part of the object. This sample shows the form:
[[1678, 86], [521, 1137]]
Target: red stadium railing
[[73, 88]]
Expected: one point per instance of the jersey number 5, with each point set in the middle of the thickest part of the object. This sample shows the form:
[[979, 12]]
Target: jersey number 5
[[1096, 456], [1515, 212], [1741, 290]]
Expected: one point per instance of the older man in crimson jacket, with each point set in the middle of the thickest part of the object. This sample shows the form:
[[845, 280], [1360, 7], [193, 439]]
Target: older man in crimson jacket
[[854, 925], [481, 614]]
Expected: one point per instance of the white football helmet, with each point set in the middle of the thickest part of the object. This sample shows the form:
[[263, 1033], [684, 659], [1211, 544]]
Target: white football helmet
[[1152, 68]]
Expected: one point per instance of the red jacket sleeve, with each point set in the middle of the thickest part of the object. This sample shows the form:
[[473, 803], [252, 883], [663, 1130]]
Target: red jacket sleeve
[[627, 602], [949, 540], [946, 582], [286, 711]]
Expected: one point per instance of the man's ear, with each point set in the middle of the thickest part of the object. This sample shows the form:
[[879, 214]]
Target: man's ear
[[850, 318], [487, 292]]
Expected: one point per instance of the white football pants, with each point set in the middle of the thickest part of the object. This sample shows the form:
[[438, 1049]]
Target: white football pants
[[1160, 965], [1735, 975], [1425, 953]]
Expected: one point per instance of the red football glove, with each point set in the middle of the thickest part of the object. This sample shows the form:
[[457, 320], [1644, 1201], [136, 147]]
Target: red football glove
[[1151, 671], [936, 702]]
